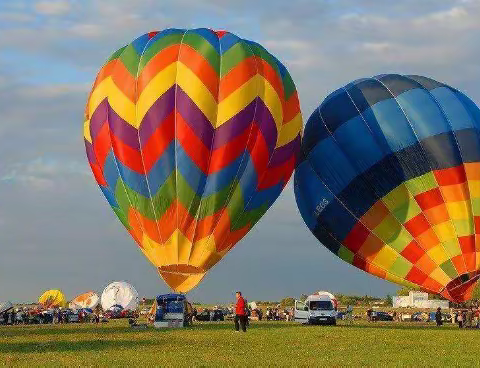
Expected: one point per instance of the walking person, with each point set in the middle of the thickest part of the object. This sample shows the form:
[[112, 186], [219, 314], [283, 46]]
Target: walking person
[[460, 319], [240, 313], [438, 317]]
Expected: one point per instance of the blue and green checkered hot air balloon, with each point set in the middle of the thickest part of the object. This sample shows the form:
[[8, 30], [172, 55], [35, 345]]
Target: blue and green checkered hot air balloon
[[389, 181]]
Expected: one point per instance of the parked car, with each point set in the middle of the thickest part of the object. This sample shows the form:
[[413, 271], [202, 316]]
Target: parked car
[[115, 312], [383, 316], [210, 315], [320, 308], [72, 316]]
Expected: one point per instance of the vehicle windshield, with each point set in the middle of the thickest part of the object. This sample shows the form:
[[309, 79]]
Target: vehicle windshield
[[321, 305]]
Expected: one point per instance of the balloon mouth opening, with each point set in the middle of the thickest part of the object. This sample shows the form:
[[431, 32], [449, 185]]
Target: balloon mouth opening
[[181, 278], [461, 288], [181, 269]]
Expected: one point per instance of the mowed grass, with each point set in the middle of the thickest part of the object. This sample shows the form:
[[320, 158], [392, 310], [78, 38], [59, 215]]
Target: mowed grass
[[284, 344]]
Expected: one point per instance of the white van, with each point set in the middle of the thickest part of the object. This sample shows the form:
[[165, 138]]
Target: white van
[[319, 308]]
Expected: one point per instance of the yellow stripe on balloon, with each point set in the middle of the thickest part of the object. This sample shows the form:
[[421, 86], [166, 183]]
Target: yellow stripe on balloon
[[171, 248], [458, 210], [157, 86], [474, 188], [202, 251], [197, 91], [237, 100], [184, 247], [385, 257], [393, 278], [86, 131], [445, 231], [154, 251], [440, 276], [116, 99], [438, 254], [290, 130], [273, 102]]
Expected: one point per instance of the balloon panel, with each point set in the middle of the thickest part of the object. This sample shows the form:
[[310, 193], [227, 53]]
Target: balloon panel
[[191, 135], [389, 181]]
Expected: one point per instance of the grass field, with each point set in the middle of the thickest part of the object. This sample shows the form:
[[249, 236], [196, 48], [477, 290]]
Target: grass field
[[265, 344]]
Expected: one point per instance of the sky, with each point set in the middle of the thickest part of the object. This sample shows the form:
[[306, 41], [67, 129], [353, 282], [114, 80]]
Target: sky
[[56, 228]]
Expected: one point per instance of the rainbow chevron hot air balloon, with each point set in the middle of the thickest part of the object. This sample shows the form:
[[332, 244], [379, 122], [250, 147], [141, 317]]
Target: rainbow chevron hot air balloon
[[191, 136], [390, 181]]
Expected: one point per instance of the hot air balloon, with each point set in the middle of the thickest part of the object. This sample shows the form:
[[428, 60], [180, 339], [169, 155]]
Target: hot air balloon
[[191, 136], [119, 294], [52, 299], [89, 300], [389, 181]]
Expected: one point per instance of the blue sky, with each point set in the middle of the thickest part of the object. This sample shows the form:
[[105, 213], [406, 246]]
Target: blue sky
[[57, 230]]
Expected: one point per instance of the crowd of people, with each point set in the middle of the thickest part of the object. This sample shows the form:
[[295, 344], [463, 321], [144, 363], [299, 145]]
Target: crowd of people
[[467, 318], [278, 314], [36, 315], [464, 317]]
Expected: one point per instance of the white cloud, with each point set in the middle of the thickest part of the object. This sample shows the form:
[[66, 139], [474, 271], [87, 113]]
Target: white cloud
[[87, 30], [55, 7], [44, 174], [49, 91], [17, 17], [288, 44], [456, 13], [364, 20], [376, 46]]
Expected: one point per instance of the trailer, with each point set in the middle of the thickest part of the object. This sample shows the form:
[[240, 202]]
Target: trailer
[[172, 310]]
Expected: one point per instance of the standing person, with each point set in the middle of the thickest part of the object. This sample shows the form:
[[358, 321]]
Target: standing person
[[469, 317], [240, 315], [438, 316]]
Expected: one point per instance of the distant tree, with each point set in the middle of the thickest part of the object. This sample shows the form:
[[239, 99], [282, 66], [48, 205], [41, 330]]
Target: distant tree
[[476, 292], [303, 297], [404, 291], [389, 300], [435, 296], [287, 302]]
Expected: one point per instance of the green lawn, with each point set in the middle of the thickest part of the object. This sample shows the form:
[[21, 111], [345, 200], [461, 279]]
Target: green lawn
[[265, 344]]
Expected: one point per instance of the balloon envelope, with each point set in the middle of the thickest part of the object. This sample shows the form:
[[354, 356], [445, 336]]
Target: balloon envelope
[[119, 293], [86, 300], [390, 181], [53, 299], [191, 136]]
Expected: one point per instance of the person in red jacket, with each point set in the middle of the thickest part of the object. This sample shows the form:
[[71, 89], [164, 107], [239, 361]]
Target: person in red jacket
[[240, 314]]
